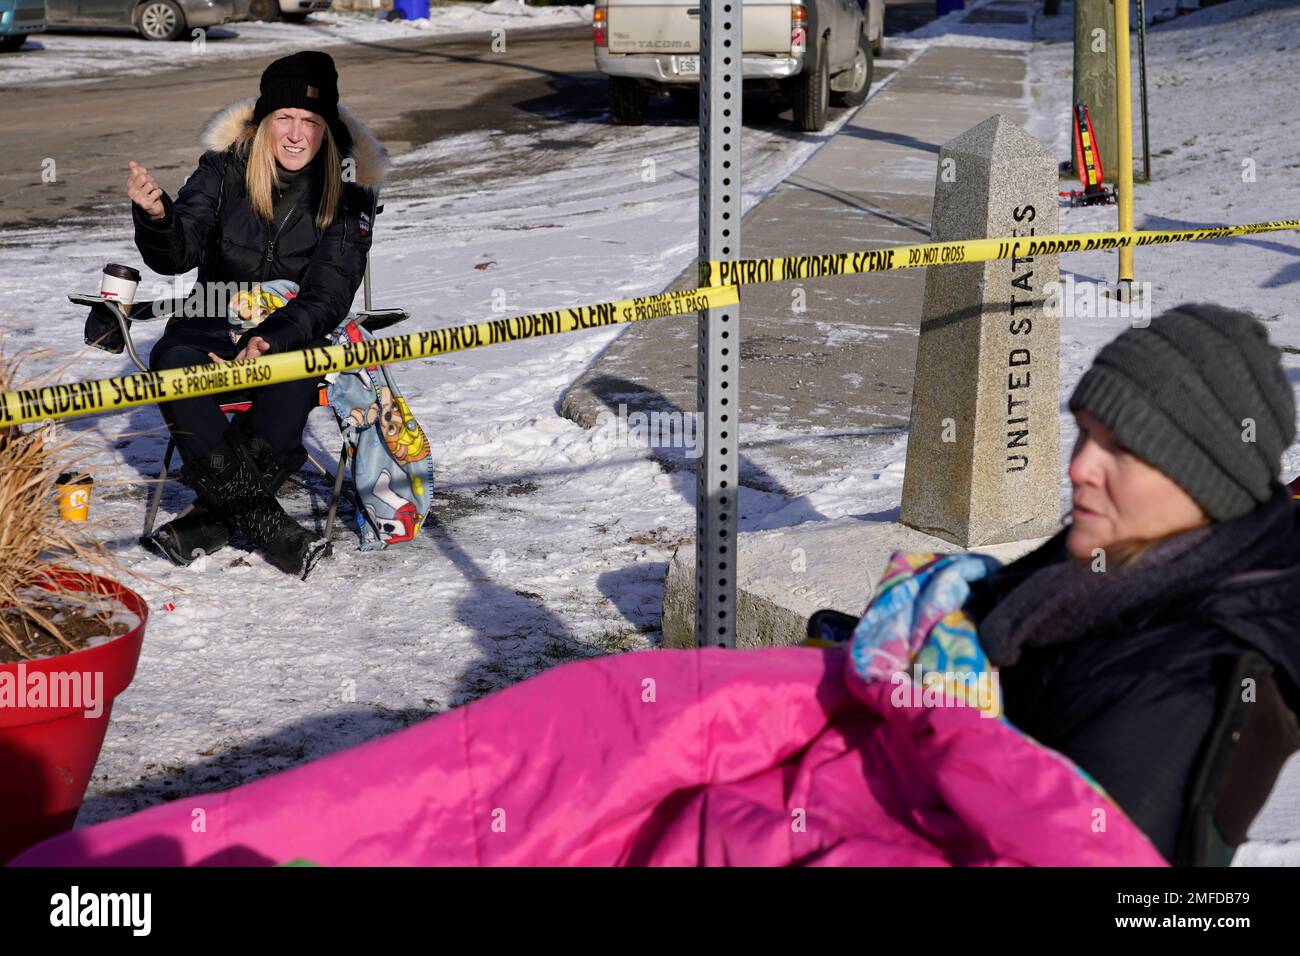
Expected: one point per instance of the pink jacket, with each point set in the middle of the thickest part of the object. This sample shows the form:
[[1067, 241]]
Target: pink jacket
[[767, 757]]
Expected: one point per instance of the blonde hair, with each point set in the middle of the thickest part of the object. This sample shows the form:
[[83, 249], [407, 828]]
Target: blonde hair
[[1129, 550], [257, 145]]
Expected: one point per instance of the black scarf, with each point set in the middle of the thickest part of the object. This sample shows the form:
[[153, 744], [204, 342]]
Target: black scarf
[[293, 185], [1048, 598]]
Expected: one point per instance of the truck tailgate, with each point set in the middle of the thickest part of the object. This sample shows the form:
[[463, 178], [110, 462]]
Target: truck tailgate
[[664, 26]]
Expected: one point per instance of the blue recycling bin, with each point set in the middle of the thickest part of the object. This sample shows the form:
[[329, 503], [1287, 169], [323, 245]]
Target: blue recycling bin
[[415, 9], [948, 6]]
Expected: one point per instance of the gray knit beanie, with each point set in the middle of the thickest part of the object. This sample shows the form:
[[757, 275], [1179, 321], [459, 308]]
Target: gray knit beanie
[[1182, 394]]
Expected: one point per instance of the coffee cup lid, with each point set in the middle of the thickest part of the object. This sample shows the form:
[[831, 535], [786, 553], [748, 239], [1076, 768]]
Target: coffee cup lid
[[122, 272], [75, 478]]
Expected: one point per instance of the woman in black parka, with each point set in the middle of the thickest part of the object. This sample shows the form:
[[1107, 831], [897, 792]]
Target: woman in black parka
[[1156, 640], [286, 190]]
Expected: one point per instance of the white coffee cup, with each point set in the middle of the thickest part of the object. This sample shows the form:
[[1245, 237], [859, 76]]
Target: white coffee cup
[[119, 284]]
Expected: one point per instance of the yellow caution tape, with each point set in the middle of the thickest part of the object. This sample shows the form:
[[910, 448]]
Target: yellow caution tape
[[725, 278], [752, 271], [144, 388]]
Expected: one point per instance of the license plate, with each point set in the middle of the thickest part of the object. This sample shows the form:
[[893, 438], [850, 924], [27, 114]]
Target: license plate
[[688, 66]]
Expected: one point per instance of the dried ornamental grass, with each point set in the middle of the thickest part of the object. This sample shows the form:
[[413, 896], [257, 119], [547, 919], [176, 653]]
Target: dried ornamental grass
[[35, 541]]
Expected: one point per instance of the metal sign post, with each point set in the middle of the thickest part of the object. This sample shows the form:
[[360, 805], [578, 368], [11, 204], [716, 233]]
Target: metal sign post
[[718, 373]]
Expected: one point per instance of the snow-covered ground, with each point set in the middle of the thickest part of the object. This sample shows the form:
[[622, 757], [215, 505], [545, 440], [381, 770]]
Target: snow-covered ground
[[64, 56], [1224, 128], [551, 541]]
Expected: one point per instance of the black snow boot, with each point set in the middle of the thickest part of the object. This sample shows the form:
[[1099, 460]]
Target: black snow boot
[[186, 538], [201, 531], [233, 488]]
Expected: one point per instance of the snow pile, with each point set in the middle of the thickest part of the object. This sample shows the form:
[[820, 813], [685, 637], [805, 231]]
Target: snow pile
[[69, 56], [460, 17], [517, 8], [995, 24]]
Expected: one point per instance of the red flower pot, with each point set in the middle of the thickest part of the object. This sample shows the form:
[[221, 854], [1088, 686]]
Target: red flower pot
[[49, 743]]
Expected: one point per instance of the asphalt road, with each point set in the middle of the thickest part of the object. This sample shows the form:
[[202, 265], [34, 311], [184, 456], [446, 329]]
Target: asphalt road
[[410, 93]]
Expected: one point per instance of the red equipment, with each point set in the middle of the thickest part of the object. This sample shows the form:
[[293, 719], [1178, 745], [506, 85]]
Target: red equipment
[[1089, 163]]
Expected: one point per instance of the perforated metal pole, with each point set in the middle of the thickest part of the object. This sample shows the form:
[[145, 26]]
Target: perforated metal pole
[[718, 372]]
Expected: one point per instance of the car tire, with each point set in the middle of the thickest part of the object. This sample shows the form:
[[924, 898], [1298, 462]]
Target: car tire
[[862, 69], [264, 10], [812, 92], [10, 44], [627, 101], [686, 100], [160, 20]]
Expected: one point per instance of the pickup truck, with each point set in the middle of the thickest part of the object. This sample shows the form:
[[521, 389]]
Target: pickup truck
[[813, 51]]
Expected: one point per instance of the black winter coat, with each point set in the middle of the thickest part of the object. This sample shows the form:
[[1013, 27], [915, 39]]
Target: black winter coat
[[211, 226], [1141, 684]]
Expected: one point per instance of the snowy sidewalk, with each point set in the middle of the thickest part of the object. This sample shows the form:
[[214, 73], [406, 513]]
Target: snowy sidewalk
[[823, 381]]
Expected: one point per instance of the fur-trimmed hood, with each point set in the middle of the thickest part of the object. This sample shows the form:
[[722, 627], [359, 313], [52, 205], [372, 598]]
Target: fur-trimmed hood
[[228, 125]]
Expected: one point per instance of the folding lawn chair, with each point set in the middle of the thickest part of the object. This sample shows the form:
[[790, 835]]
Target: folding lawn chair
[[237, 401]]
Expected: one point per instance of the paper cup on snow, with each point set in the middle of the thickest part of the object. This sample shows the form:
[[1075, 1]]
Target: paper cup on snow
[[119, 284], [74, 495]]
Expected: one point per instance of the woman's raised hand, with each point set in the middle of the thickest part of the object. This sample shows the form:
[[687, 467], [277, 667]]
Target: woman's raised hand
[[144, 191]]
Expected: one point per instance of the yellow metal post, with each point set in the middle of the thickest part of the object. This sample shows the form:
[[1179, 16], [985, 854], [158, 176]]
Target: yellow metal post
[[1124, 179]]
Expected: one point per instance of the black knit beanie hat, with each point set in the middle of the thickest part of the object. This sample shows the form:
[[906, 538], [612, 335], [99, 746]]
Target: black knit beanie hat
[[305, 81], [1201, 395]]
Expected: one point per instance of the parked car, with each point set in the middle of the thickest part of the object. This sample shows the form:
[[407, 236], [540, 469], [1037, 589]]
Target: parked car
[[152, 19], [295, 11], [814, 51], [18, 20]]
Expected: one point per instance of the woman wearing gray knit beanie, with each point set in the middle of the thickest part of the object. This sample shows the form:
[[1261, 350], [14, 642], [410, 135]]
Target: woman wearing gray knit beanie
[[1156, 639]]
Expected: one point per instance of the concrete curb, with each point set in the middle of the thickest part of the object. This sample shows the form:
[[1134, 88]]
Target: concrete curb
[[787, 574]]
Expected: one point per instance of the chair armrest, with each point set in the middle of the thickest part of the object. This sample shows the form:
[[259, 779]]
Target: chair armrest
[[108, 327], [372, 320], [140, 311], [155, 309]]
